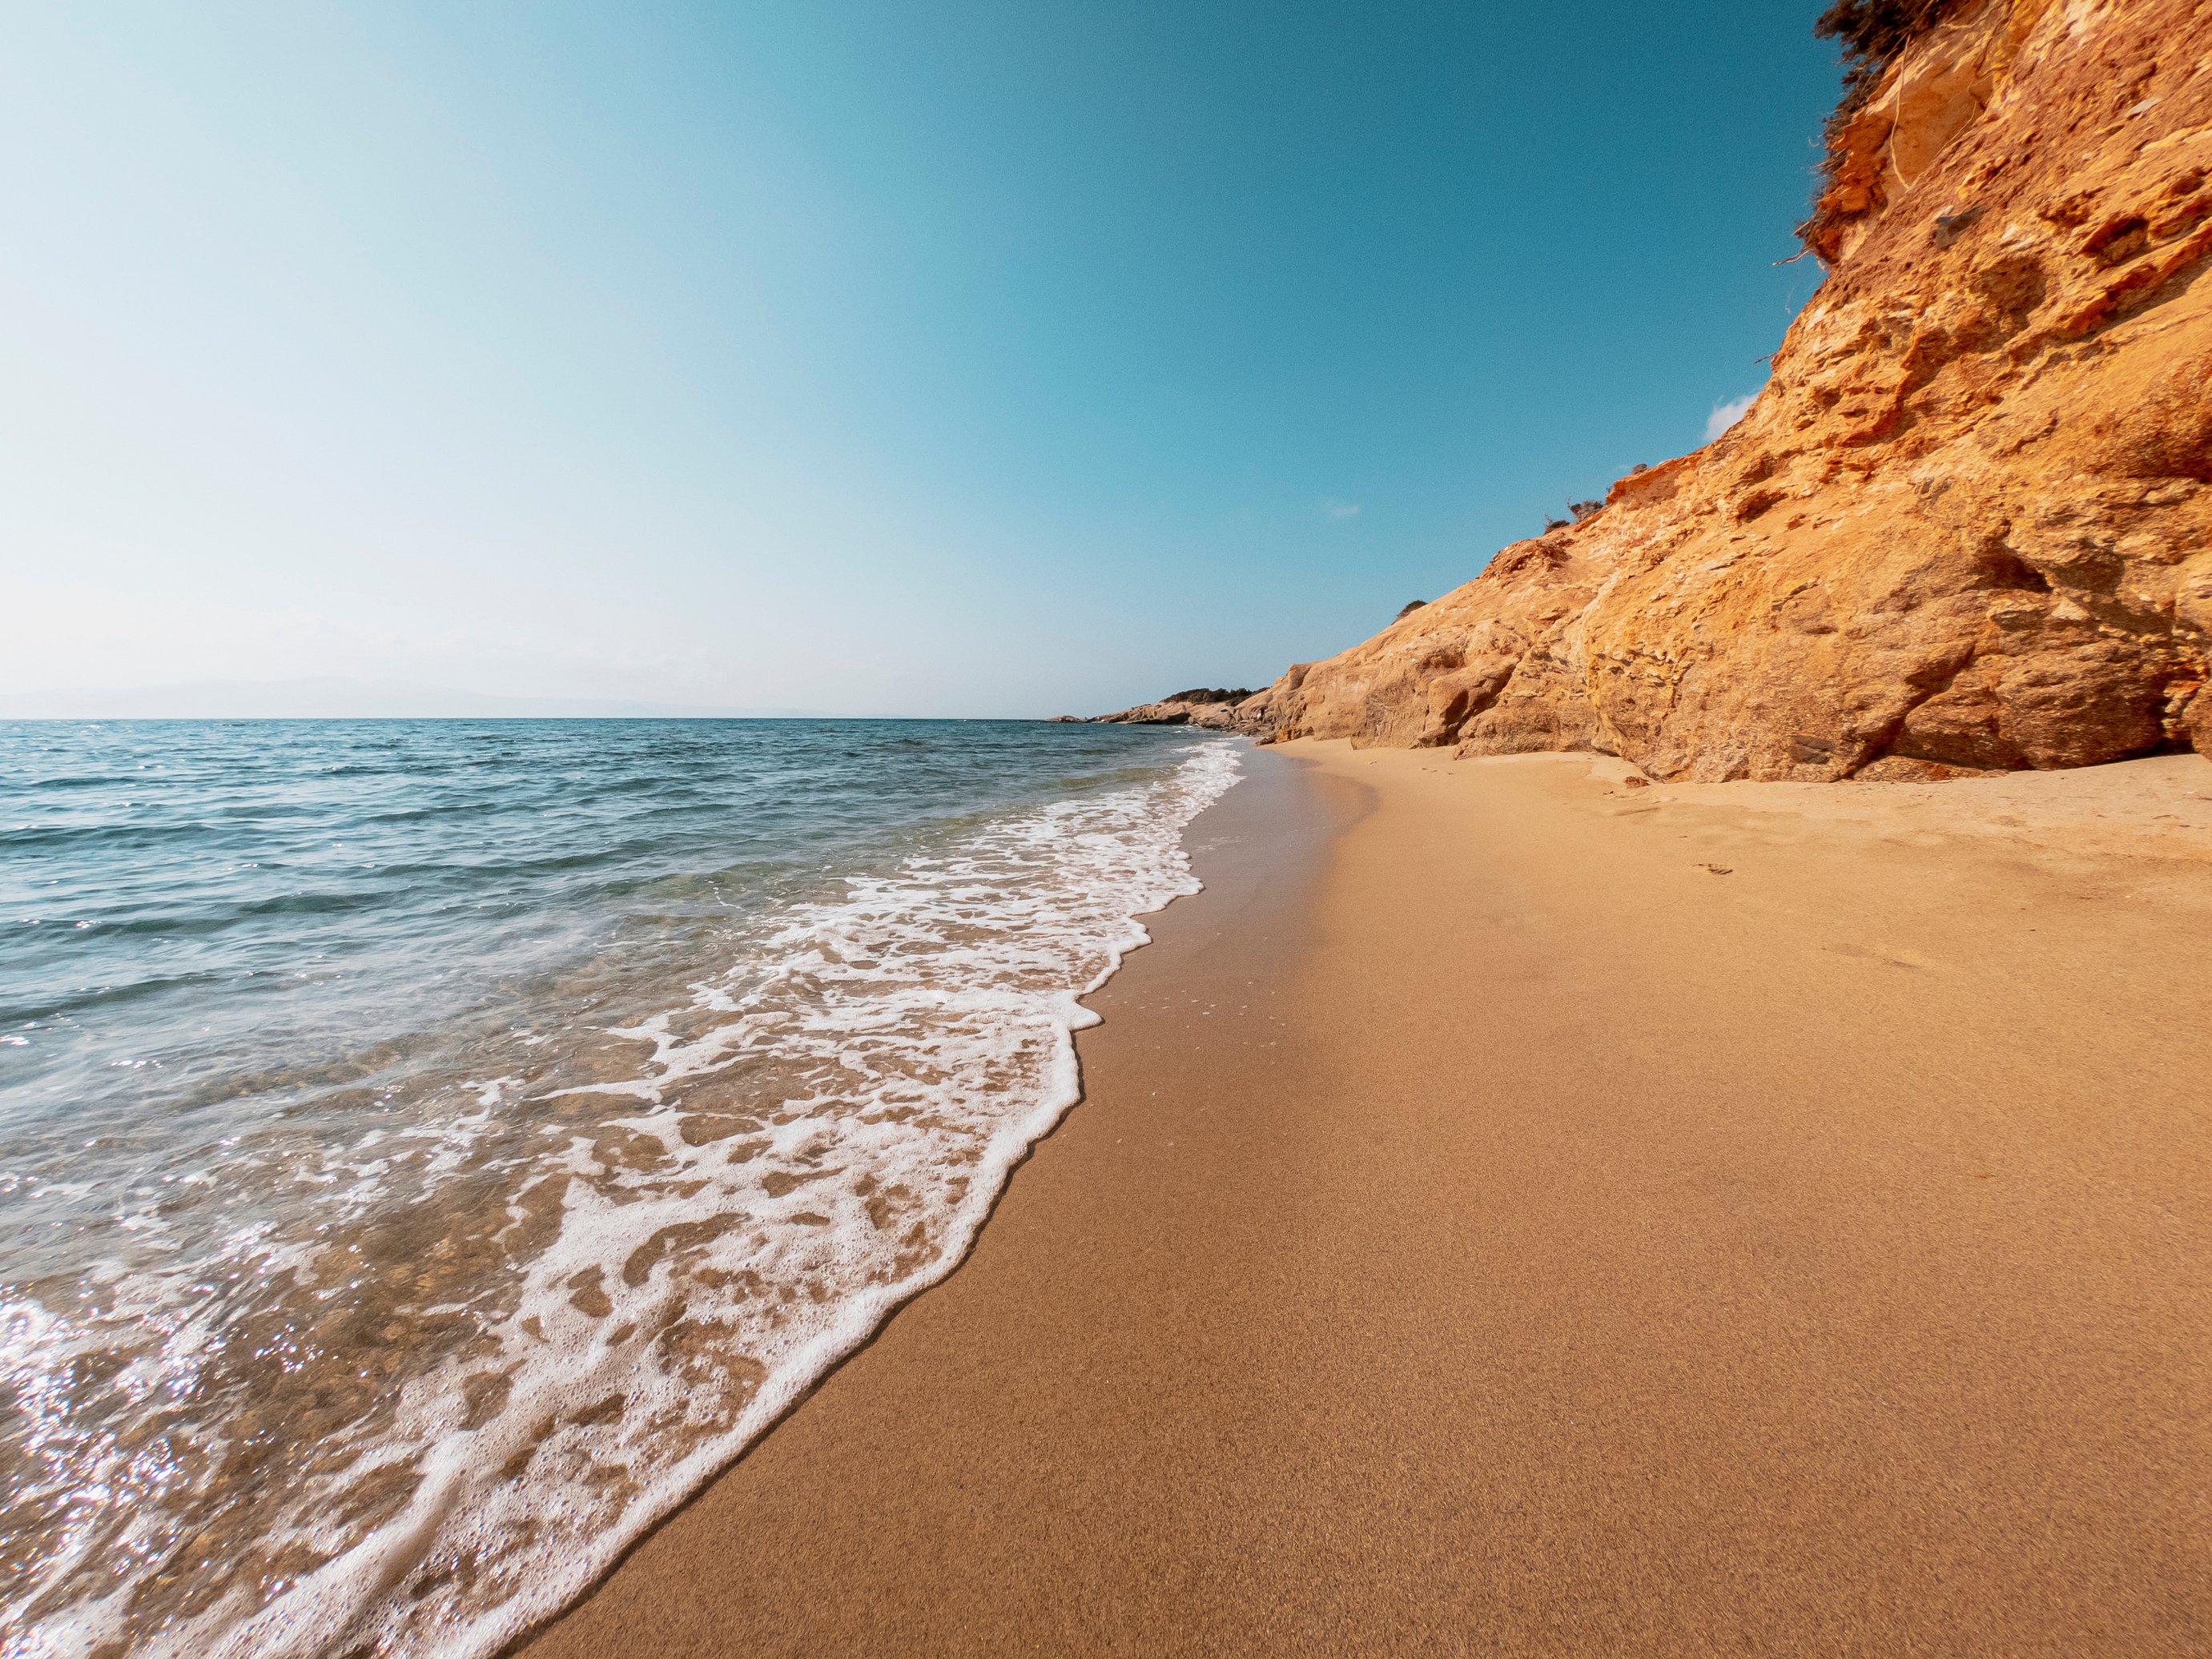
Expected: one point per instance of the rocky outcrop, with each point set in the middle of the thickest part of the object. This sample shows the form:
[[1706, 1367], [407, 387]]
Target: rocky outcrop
[[1965, 526], [1217, 710]]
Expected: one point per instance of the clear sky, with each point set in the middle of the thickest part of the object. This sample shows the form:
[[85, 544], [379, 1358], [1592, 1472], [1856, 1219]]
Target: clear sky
[[879, 357]]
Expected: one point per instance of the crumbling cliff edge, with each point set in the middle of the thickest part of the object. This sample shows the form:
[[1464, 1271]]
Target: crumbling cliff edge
[[1965, 526]]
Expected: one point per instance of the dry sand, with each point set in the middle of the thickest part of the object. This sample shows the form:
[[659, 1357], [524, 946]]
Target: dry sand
[[1560, 1217]]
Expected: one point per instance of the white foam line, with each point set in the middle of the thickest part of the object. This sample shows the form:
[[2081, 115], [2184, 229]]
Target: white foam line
[[355, 1598], [862, 1316]]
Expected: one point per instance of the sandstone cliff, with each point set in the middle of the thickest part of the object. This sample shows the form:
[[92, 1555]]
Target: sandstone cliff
[[1965, 526]]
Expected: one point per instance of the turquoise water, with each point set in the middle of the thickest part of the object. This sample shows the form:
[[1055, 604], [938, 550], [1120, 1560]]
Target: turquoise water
[[428, 1149]]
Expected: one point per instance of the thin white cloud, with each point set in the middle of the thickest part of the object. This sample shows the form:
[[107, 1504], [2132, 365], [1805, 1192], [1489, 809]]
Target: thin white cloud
[[1726, 415], [1337, 509]]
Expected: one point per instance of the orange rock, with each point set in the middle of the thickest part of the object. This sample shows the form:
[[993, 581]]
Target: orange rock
[[1967, 524]]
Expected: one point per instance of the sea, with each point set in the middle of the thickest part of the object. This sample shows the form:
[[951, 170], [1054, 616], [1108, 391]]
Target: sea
[[429, 1150]]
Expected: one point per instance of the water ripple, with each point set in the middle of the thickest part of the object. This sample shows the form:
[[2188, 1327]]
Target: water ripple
[[428, 1149]]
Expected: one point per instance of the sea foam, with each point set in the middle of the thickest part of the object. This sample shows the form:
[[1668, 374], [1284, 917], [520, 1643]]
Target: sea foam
[[577, 1291]]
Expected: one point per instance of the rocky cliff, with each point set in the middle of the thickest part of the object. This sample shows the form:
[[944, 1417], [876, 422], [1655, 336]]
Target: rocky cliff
[[1218, 710], [1963, 528]]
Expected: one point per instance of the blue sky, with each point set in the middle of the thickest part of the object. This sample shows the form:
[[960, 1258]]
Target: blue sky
[[996, 358]]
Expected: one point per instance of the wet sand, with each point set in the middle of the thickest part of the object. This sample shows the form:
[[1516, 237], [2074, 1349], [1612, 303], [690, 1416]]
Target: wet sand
[[1518, 1211]]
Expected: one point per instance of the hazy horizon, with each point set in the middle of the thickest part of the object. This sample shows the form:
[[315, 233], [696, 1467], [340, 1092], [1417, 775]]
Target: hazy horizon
[[962, 359], [339, 697]]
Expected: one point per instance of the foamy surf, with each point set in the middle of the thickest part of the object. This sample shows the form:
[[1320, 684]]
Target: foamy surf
[[524, 1328]]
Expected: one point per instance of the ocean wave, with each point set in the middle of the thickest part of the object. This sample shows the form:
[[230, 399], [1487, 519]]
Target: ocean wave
[[434, 1376]]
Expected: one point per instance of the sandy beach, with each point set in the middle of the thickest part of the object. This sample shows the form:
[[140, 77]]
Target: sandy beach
[[1518, 1209]]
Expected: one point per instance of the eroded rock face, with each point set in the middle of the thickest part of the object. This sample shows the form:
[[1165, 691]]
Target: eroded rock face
[[1965, 526], [1218, 710]]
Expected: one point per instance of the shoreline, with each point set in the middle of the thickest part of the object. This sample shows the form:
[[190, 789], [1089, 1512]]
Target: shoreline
[[1558, 1215]]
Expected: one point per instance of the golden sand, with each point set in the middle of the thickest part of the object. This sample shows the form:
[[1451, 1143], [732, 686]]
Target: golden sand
[[1558, 1216]]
